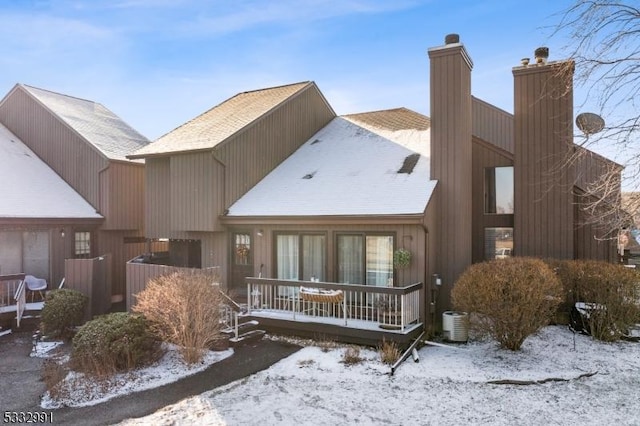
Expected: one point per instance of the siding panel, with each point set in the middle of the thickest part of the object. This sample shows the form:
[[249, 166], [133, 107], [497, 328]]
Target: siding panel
[[451, 161], [76, 161], [158, 198], [484, 157], [544, 216], [253, 153]]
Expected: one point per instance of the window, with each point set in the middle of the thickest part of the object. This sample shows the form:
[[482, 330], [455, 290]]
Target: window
[[365, 259], [301, 256], [242, 249], [498, 190], [498, 243], [82, 245]]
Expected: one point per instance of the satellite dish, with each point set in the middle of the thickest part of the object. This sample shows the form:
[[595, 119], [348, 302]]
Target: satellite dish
[[589, 123]]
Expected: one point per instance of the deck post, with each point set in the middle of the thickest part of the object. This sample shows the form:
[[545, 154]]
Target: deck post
[[344, 309]]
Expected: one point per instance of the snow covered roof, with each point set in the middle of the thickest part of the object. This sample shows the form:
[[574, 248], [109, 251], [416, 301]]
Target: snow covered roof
[[222, 121], [355, 165], [30, 189], [99, 126]]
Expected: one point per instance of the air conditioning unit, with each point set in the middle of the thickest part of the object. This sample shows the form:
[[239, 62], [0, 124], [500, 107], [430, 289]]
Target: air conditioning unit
[[455, 326]]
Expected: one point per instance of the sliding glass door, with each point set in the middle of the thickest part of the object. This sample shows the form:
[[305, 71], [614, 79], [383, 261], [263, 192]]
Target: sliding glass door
[[301, 256], [365, 259]]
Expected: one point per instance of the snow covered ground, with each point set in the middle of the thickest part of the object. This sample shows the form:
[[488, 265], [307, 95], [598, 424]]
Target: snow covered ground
[[78, 391], [447, 386]]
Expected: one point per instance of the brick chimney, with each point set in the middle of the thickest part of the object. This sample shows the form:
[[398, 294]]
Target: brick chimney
[[450, 86], [543, 136]]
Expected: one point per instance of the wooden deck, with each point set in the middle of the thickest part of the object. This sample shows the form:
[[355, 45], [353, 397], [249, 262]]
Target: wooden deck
[[360, 314]]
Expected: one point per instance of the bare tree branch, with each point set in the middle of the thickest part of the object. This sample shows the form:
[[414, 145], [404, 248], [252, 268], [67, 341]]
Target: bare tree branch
[[604, 43]]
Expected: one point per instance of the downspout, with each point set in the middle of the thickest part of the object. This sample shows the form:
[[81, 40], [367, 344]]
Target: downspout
[[429, 307]]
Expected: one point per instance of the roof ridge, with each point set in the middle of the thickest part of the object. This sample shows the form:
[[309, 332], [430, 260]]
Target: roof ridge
[[59, 94], [380, 110], [305, 83]]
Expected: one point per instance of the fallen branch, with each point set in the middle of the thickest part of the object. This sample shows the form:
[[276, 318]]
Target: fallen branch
[[538, 382]]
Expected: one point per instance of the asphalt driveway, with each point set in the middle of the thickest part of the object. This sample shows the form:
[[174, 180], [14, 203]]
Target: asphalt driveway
[[21, 384]]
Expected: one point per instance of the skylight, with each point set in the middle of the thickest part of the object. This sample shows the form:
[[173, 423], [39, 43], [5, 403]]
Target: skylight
[[409, 163]]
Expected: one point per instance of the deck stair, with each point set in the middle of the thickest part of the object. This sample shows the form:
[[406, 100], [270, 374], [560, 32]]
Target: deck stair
[[30, 321], [240, 329]]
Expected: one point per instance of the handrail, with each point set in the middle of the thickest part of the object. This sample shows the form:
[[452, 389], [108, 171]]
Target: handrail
[[390, 307], [21, 302], [19, 290], [335, 286], [232, 303]]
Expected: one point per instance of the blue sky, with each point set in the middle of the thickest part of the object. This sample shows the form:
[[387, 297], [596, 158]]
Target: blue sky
[[159, 63]]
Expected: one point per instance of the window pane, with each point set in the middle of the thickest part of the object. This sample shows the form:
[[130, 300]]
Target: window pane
[[498, 243], [498, 190], [350, 259], [287, 257], [83, 244], [313, 257], [242, 252], [380, 260]]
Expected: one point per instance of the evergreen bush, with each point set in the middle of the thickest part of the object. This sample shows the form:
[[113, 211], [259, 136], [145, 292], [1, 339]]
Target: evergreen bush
[[63, 310], [114, 342]]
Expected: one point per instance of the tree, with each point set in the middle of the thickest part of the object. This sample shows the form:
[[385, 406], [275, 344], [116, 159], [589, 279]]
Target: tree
[[604, 43]]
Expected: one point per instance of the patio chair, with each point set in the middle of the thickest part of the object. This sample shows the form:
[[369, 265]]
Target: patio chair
[[35, 284]]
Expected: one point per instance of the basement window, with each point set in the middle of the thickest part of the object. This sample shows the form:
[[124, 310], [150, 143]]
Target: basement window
[[409, 163]]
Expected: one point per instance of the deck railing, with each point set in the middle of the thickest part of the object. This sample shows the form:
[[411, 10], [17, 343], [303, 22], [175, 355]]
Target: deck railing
[[21, 301], [393, 308]]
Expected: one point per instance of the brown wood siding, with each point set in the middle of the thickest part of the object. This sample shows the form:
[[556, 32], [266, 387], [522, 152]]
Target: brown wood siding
[[112, 243], [253, 153], [75, 160], [432, 311], [492, 124], [158, 198], [451, 160], [125, 209], [484, 157], [92, 277], [544, 213], [592, 241], [139, 274], [197, 192], [411, 237]]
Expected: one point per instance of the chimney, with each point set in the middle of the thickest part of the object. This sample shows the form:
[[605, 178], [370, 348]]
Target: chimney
[[543, 136], [451, 165], [541, 54]]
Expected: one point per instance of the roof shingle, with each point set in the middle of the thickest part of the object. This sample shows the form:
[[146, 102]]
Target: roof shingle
[[98, 125], [220, 122]]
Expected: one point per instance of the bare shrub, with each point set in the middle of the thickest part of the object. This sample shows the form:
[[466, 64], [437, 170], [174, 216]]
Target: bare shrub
[[611, 290], [510, 299], [326, 344], [305, 363], [184, 309], [53, 374], [389, 352], [352, 356]]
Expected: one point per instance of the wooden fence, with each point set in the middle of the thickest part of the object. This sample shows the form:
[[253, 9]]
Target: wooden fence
[[92, 277], [139, 274]]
